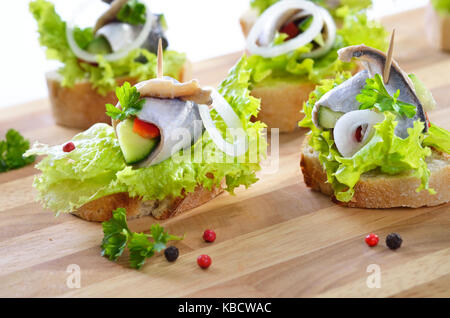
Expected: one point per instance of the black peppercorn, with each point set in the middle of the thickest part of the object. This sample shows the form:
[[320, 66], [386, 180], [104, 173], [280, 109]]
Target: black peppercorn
[[171, 253], [393, 241]]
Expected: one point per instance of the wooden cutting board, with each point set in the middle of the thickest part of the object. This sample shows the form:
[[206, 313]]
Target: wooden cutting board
[[276, 239]]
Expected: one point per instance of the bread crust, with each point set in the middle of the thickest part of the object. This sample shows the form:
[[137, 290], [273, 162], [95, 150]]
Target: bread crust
[[101, 209], [379, 191], [81, 106]]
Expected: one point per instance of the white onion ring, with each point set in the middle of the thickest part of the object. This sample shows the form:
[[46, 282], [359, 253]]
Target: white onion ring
[[344, 130], [89, 57], [331, 36], [240, 146], [271, 16]]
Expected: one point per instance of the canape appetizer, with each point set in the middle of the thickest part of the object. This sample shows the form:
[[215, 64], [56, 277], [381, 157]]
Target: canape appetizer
[[120, 46], [167, 151], [293, 46], [438, 24], [371, 143]]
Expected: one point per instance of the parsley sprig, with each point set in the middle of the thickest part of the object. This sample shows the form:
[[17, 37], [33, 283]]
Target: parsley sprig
[[130, 102], [375, 95], [12, 150], [117, 236], [133, 12]]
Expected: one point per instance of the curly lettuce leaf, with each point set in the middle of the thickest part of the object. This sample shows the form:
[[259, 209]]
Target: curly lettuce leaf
[[97, 168], [357, 29], [139, 64], [442, 6], [438, 138], [262, 5], [385, 152], [70, 179]]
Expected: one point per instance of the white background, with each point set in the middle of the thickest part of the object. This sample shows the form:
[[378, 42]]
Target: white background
[[200, 28]]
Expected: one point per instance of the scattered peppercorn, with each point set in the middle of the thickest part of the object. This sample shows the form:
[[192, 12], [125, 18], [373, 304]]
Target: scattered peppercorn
[[204, 261], [372, 239], [68, 147], [393, 241], [171, 253], [209, 236]]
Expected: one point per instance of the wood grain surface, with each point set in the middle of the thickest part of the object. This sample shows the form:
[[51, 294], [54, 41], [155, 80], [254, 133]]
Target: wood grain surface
[[275, 239]]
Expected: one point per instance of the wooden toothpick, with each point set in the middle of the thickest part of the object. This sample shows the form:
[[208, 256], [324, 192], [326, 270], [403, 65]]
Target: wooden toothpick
[[160, 71], [388, 63]]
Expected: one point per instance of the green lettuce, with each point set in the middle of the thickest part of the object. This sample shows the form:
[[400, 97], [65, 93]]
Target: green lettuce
[[385, 152], [133, 12], [139, 64], [97, 168], [262, 5], [438, 138], [69, 180], [356, 29], [441, 5]]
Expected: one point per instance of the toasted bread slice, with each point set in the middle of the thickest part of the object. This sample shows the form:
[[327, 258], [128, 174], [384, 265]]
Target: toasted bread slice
[[81, 106], [281, 103], [101, 209], [378, 191], [437, 28]]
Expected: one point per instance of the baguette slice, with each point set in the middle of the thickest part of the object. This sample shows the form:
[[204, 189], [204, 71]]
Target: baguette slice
[[281, 103], [437, 28], [81, 106], [379, 191], [101, 209]]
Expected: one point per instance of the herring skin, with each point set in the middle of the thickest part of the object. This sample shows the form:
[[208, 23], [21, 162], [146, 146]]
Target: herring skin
[[373, 61], [342, 98]]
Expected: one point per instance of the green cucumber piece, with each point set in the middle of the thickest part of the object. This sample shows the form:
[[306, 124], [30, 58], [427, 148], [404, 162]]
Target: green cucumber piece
[[99, 45], [327, 118], [134, 147], [423, 93]]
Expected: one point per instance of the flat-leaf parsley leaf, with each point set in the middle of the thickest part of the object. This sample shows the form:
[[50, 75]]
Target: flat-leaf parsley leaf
[[12, 150], [117, 236], [130, 102], [375, 95]]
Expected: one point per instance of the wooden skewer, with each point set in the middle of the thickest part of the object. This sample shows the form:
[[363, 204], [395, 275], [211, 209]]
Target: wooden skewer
[[160, 71], [388, 63]]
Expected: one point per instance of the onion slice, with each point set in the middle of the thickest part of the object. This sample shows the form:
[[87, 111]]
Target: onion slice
[[92, 58], [269, 21], [346, 126], [331, 36], [240, 146]]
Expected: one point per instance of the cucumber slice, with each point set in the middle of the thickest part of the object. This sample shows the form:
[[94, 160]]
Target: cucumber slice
[[423, 93], [99, 45], [134, 147], [327, 118]]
